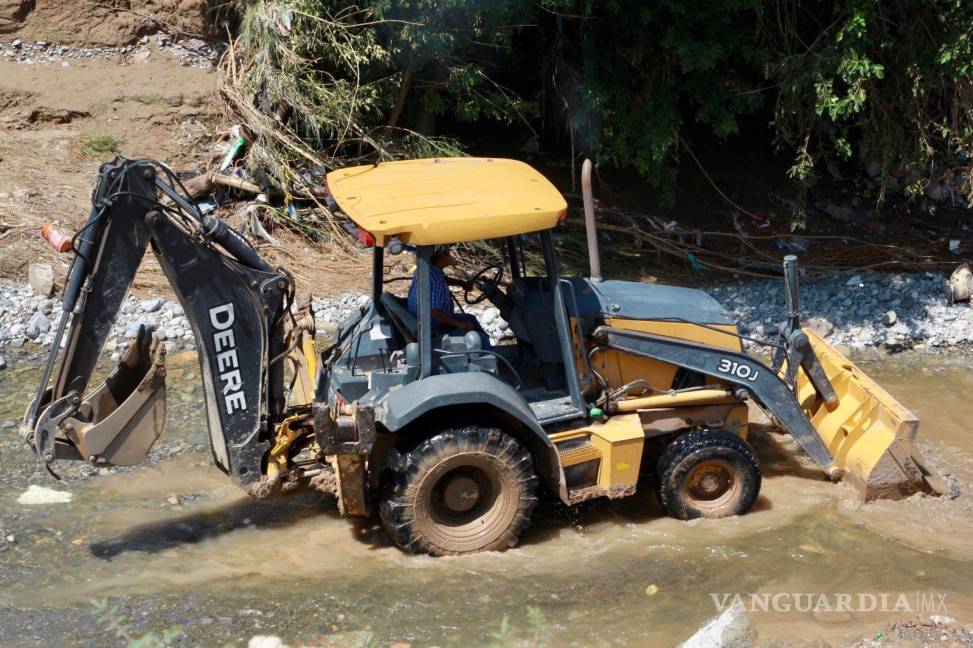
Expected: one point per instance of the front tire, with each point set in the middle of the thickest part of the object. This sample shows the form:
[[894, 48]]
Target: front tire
[[461, 491], [708, 473]]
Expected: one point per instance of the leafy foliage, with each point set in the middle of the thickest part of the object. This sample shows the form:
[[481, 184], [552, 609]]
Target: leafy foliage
[[889, 81], [633, 73], [535, 633], [100, 146], [841, 82], [111, 618]]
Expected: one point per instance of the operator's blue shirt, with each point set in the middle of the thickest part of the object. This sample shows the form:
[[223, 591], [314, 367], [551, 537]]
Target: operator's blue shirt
[[441, 300]]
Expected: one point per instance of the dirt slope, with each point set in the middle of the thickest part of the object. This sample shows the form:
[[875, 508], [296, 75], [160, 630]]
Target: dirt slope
[[47, 113], [92, 22]]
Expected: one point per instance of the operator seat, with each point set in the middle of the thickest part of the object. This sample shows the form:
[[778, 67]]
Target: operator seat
[[399, 313]]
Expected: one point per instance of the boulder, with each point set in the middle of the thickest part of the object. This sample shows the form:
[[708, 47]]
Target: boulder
[[152, 305], [40, 495], [731, 629], [41, 277], [38, 326], [265, 641], [820, 325]]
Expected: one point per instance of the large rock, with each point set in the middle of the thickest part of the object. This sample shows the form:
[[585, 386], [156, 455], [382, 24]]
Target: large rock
[[265, 641], [38, 326], [152, 305], [731, 629], [820, 325], [41, 277], [41, 495]]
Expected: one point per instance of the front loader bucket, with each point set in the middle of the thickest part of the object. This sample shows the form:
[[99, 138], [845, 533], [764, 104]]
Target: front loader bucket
[[869, 433], [117, 423]]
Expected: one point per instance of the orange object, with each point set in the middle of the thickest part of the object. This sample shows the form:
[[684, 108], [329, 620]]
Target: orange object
[[58, 241]]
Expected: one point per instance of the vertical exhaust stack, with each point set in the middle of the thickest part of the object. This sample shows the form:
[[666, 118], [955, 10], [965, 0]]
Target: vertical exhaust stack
[[793, 294], [594, 260]]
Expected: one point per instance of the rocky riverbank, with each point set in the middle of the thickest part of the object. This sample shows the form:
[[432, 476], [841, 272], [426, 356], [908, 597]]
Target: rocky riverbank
[[29, 321], [881, 310], [893, 311], [189, 52]]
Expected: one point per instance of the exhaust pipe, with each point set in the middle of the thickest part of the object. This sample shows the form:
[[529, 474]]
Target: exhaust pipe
[[792, 291], [594, 260]]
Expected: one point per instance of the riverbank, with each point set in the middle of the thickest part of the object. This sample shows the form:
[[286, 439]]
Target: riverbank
[[890, 310], [881, 311]]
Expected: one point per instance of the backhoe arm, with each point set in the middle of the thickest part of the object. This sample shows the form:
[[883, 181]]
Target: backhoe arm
[[234, 301]]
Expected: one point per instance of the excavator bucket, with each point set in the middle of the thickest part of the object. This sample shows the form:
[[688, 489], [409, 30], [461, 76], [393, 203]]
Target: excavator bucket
[[869, 433], [117, 423]]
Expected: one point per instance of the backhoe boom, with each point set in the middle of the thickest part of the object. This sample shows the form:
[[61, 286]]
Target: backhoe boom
[[234, 301]]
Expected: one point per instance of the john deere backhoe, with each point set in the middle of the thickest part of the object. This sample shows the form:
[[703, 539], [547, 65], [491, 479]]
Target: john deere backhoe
[[607, 386]]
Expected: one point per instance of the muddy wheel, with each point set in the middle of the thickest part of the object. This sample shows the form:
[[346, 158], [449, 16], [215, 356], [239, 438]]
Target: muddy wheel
[[708, 473], [464, 490]]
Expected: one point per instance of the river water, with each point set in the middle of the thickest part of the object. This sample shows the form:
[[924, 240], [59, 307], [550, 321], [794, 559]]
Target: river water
[[174, 543]]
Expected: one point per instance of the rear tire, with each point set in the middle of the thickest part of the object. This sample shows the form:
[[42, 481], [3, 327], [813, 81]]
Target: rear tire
[[461, 491], [708, 473]]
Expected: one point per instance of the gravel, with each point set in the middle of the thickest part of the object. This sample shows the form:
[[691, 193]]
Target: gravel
[[26, 319], [190, 52], [885, 310], [880, 310]]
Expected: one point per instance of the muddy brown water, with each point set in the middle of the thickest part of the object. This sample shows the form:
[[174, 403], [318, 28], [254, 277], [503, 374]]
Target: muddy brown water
[[175, 543]]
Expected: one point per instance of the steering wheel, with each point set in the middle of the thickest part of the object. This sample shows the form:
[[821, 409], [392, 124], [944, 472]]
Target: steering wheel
[[483, 283]]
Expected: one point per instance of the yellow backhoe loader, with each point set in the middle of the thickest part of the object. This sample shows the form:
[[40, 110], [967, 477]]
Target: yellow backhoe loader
[[605, 387]]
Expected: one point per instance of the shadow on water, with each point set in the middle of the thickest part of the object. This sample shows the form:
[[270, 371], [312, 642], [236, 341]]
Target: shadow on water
[[196, 527]]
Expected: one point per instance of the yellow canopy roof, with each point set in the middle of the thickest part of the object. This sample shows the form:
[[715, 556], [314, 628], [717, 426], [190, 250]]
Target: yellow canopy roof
[[447, 200]]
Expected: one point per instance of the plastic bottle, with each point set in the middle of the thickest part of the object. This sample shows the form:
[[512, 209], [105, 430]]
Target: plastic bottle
[[58, 241], [239, 143]]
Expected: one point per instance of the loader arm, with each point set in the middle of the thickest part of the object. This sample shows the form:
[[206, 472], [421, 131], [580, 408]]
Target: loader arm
[[234, 301], [845, 423], [739, 369]]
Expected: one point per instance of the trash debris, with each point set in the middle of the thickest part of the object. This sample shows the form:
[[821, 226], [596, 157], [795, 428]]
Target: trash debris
[[760, 219], [954, 246], [206, 205], [793, 244], [890, 318], [855, 281], [236, 183], [253, 226], [39, 495], [58, 241], [239, 143], [41, 278], [960, 284], [731, 629]]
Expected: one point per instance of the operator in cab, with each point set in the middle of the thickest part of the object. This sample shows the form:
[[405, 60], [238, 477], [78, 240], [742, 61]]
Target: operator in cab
[[444, 318]]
